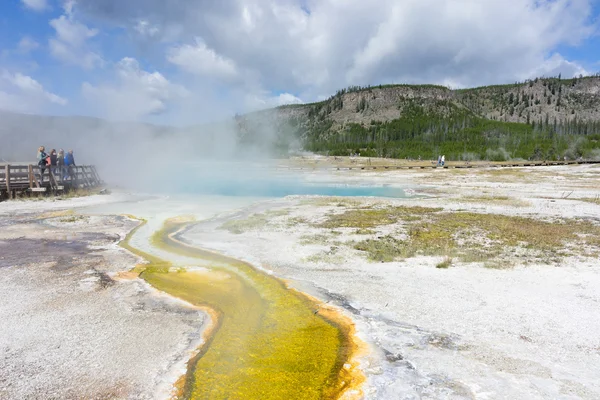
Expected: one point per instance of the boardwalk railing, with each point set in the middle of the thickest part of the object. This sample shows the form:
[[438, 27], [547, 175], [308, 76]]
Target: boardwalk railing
[[433, 165], [21, 178]]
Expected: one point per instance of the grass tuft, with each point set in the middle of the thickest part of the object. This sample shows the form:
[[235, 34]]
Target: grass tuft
[[239, 226], [445, 264], [383, 249]]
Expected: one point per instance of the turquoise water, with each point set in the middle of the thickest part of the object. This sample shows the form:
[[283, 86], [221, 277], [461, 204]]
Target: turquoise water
[[282, 188]]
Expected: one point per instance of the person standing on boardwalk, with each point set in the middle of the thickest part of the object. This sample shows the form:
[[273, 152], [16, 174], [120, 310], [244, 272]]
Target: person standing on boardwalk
[[60, 163], [70, 159], [53, 161], [443, 160], [41, 157], [69, 163]]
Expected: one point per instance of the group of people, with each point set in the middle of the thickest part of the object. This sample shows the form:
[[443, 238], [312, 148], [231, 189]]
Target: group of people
[[60, 163], [441, 161]]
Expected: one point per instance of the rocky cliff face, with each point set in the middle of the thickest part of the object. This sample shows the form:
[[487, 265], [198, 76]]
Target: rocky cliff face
[[563, 100]]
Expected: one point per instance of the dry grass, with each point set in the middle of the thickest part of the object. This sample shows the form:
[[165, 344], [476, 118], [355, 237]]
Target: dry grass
[[73, 218], [499, 200], [315, 239], [510, 175], [364, 218], [75, 193], [363, 231], [255, 221], [467, 236], [252, 222], [593, 200], [445, 263], [383, 249], [331, 201], [296, 221]]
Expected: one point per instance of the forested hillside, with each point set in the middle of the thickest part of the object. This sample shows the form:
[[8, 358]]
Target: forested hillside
[[545, 118]]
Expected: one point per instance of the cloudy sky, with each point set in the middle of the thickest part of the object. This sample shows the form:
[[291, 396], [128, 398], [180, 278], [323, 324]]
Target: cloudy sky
[[189, 61]]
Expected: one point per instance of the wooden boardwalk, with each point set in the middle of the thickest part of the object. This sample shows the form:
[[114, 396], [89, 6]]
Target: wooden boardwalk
[[19, 179], [450, 165]]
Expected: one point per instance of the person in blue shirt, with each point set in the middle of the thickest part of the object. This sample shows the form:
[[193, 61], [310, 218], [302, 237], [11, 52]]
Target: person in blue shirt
[[70, 159], [69, 162]]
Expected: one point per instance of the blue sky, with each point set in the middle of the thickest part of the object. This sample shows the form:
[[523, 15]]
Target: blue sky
[[186, 62]]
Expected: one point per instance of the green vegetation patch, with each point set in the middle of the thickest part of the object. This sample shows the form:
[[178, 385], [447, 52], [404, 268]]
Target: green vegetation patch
[[256, 221], [445, 263], [239, 226], [502, 200], [364, 218], [467, 236], [593, 200], [73, 218], [315, 239], [383, 249]]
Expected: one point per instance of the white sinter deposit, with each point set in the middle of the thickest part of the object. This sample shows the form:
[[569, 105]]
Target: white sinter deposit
[[525, 332]]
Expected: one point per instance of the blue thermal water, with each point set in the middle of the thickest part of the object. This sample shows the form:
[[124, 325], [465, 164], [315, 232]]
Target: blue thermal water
[[282, 188]]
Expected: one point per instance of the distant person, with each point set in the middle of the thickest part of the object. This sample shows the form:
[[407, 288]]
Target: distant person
[[41, 157], [439, 160], [60, 163], [53, 160], [69, 163], [70, 159], [443, 160]]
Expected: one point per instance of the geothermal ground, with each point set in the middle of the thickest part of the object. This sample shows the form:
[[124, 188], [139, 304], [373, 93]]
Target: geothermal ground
[[482, 284]]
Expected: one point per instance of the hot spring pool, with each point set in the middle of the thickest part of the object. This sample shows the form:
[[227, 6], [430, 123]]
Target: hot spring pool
[[278, 188]]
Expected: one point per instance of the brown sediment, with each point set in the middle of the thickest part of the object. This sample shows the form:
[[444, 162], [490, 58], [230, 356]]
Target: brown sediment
[[254, 375]]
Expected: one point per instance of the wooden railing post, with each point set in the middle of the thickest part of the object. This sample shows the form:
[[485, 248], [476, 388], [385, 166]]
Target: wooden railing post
[[7, 177], [74, 171], [86, 179], [52, 179], [96, 176], [32, 180]]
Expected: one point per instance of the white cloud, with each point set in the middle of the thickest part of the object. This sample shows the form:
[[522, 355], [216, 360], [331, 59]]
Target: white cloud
[[146, 29], [555, 65], [340, 43], [201, 60], [35, 5], [135, 94], [27, 44], [261, 100], [287, 98], [22, 93], [69, 42]]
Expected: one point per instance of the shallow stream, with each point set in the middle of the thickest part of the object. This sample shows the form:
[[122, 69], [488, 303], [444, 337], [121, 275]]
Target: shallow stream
[[267, 341]]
